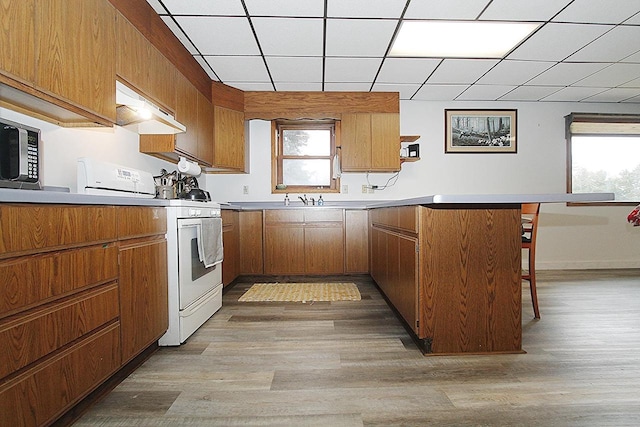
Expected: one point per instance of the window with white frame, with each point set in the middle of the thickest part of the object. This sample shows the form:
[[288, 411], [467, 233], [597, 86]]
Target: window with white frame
[[603, 155]]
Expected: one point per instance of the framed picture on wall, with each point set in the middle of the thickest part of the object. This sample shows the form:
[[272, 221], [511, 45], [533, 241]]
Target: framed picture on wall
[[480, 131]]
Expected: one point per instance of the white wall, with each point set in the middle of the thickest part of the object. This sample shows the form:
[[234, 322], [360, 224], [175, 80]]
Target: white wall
[[569, 237]]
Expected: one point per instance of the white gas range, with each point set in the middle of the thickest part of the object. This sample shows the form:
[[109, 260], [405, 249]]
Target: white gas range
[[194, 261]]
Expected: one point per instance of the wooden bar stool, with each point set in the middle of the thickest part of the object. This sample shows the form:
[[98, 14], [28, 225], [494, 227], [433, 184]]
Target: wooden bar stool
[[530, 214]]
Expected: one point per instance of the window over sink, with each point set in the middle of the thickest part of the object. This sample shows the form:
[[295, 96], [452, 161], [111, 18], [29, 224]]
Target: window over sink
[[303, 156]]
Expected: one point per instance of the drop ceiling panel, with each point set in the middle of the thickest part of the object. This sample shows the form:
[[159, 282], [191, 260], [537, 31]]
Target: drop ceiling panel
[[359, 37], [239, 68], [446, 9], [289, 37], [207, 67], [611, 47], [346, 87], [555, 42], [180, 34], [523, 10], [349, 70], [204, 7], [485, 92], [604, 12], [405, 91], [514, 72], [406, 70], [430, 92], [365, 8], [573, 94], [529, 93], [307, 8], [566, 73], [232, 36], [456, 71], [614, 75], [251, 86], [295, 70], [614, 95], [299, 87]]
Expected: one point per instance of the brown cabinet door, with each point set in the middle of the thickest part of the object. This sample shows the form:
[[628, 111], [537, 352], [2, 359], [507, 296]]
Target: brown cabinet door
[[143, 294], [76, 51], [406, 281], [17, 46], [205, 130], [355, 140], [356, 241], [284, 249], [229, 131], [187, 114], [231, 245], [251, 261], [385, 142], [324, 249]]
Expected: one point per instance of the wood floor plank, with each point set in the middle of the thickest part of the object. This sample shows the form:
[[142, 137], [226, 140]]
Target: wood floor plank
[[353, 364]]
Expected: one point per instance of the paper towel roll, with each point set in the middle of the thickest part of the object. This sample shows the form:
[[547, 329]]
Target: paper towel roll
[[186, 167]]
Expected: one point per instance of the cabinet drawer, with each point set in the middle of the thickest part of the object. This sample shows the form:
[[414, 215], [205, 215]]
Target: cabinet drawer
[[43, 393], [277, 216], [27, 228], [36, 279], [134, 221], [401, 218], [35, 335]]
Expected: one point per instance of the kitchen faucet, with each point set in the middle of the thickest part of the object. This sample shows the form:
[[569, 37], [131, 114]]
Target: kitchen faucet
[[304, 200]]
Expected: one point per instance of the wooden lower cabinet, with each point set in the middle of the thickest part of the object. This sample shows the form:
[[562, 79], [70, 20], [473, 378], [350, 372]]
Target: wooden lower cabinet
[[304, 241], [251, 238], [231, 245], [84, 291], [356, 241]]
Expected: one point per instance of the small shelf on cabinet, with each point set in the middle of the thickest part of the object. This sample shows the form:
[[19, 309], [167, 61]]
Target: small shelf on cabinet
[[409, 159], [407, 139]]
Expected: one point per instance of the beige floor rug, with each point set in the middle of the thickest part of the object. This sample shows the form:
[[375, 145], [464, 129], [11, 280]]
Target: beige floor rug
[[301, 292]]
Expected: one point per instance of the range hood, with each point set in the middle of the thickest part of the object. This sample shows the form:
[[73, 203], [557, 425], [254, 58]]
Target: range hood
[[135, 112]]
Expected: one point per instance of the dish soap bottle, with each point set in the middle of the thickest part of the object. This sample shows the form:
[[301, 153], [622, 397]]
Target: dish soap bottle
[[320, 201], [286, 199]]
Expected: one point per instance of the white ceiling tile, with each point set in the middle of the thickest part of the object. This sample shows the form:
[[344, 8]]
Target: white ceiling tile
[[206, 67], [358, 37], [529, 93], [445, 9], [604, 12], [611, 47], [406, 70], [299, 87], [523, 10], [514, 72], [614, 95], [632, 83], [251, 86], [406, 91], [346, 87], [347, 70], [555, 42], [613, 75], [169, 22], [239, 68], [566, 73], [635, 58], [205, 7], [573, 94], [634, 100], [461, 71], [308, 8], [295, 69], [232, 36], [634, 20], [365, 8], [484, 92], [289, 37], [439, 92]]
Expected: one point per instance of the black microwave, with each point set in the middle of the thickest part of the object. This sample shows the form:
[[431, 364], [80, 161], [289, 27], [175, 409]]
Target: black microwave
[[19, 156]]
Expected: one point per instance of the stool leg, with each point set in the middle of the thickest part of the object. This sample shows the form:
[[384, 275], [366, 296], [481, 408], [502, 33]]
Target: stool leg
[[532, 283]]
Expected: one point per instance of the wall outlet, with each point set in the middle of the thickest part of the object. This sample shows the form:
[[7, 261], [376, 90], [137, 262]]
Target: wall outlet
[[245, 189], [365, 189], [345, 188]]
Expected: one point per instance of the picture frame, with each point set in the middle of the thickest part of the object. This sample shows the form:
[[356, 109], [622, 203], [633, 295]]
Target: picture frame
[[480, 131]]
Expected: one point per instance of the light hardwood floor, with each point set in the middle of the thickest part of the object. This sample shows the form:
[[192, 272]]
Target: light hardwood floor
[[353, 364]]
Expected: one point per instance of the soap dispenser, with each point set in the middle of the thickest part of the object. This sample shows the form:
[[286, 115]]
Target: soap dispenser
[[320, 201]]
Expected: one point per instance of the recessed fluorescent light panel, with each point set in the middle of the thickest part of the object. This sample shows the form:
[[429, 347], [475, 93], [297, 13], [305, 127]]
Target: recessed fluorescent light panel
[[457, 39]]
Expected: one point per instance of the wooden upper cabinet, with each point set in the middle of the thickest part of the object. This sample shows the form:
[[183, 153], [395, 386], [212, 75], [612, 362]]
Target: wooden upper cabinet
[[205, 130], [17, 45], [141, 65], [229, 139], [75, 51], [370, 142], [187, 114]]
